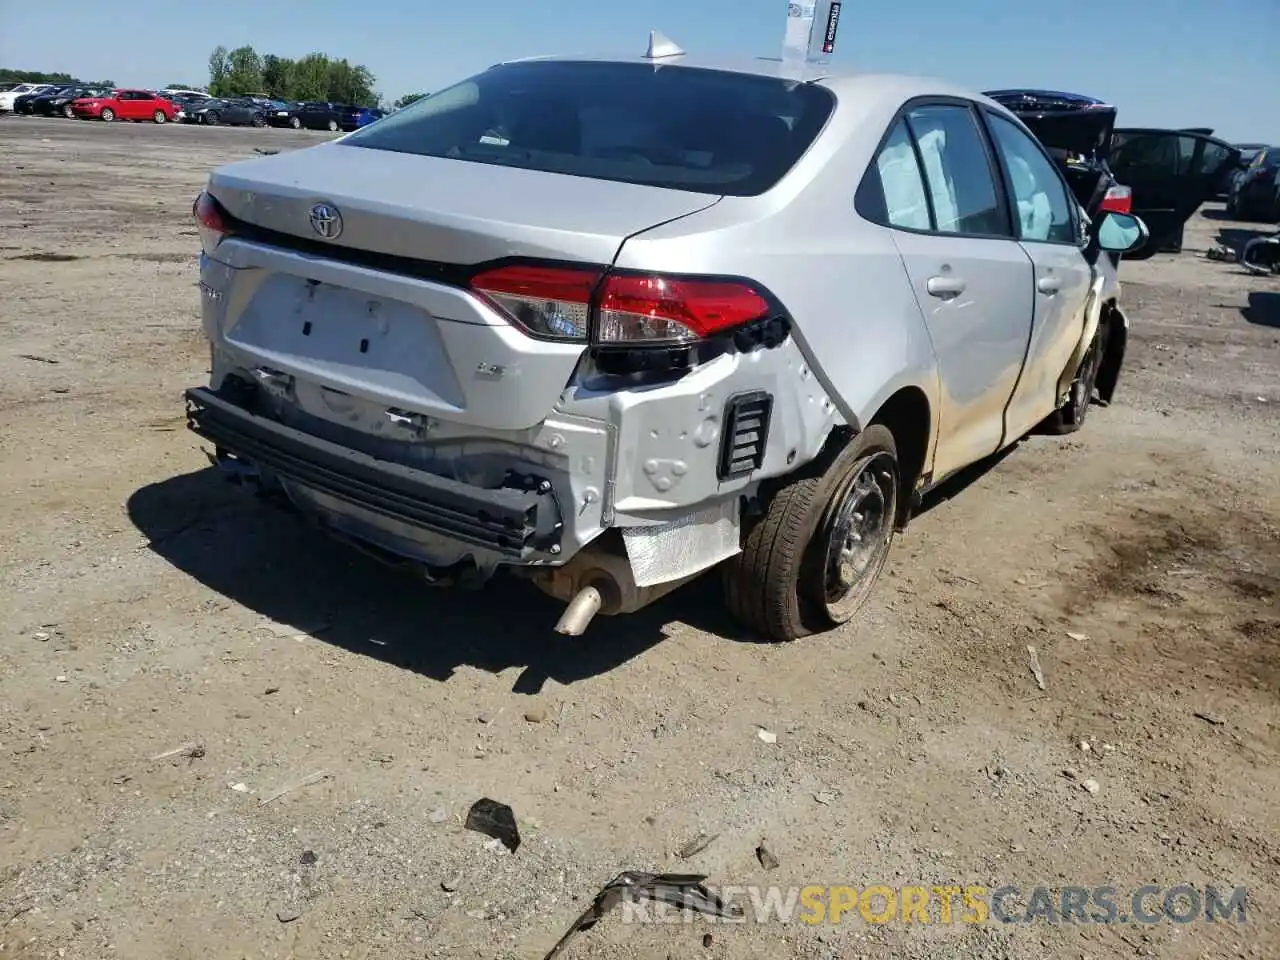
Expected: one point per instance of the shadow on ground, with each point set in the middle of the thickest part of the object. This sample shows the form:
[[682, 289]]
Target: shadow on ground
[[1263, 309], [272, 562], [1237, 237]]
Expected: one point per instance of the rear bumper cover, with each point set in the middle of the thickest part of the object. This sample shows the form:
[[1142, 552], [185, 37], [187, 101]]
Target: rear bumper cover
[[515, 523]]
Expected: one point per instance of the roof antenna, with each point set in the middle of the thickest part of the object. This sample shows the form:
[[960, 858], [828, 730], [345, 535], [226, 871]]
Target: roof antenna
[[661, 47]]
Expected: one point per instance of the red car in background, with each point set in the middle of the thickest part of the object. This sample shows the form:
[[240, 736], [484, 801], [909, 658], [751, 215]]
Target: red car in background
[[125, 105]]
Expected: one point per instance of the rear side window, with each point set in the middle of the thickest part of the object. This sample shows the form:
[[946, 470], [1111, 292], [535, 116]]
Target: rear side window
[[706, 131], [904, 198], [957, 170]]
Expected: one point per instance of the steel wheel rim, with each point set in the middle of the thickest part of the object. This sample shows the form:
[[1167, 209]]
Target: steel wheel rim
[[856, 537]]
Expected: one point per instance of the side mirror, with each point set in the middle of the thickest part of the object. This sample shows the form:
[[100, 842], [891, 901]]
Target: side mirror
[[1122, 233]]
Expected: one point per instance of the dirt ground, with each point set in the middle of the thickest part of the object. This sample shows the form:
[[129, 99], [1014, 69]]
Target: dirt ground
[[148, 605]]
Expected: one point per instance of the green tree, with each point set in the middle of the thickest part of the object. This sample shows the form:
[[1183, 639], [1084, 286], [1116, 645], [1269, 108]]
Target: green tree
[[407, 99], [311, 77], [277, 76], [218, 70], [244, 71], [182, 86]]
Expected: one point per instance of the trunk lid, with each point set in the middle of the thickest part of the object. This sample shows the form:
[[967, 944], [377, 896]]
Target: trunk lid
[[370, 313], [444, 210], [1063, 121]]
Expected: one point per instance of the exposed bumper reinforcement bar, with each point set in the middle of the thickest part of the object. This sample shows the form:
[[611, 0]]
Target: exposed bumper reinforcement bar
[[515, 523]]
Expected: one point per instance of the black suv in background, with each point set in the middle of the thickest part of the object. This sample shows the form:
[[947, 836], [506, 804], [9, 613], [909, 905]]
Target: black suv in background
[[1162, 176]]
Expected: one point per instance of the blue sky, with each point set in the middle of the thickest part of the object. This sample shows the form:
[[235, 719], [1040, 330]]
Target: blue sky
[[1162, 62]]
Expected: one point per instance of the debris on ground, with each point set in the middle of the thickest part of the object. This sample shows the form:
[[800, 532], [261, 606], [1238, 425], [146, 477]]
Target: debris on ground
[[768, 736], [1221, 252], [37, 359], [824, 797], [685, 891], [289, 788], [239, 788], [536, 714], [1091, 785], [438, 815], [496, 820], [696, 845], [308, 858], [1210, 718], [287, 916], [1036, 670], [766, 857], [1077, 636], [191, 751]]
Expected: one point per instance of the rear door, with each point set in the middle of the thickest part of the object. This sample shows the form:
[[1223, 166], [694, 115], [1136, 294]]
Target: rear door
[[1171, 173], [972, 280], [1048, 227]]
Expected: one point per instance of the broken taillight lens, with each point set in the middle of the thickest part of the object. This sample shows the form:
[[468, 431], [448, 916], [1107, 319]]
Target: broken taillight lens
[[1117, 200], [640, 310], [550, 302]]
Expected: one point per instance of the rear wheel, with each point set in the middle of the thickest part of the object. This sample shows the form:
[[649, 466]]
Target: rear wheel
[[333, 126], [295, 123], [108, 114], [159, 116], [68, 112], [811, 562]]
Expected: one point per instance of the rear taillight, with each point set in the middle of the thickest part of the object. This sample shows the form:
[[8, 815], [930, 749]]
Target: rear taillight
[[213, 221], [642, 310], [1118, 200], [551, 302]]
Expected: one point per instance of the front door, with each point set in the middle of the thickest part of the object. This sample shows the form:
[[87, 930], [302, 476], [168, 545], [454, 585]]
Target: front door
[[973, 282], [1048, 229], [1171, 173]]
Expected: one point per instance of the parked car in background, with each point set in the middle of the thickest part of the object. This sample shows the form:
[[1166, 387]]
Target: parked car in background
[[230, 111], [657, 385], [170, 92], [284, 114], [327, 115], [1172, 174], [1163, 176], [1247, 152], [58, 102], [8, 97], [185, 103], [1252, 194], [24, 104], [132, 105], [367, 115]]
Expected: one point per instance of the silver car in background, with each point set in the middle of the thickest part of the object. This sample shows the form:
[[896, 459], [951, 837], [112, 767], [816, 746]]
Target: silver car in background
[[611, 323]]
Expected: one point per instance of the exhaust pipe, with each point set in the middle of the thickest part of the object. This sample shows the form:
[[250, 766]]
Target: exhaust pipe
[[577, 615]]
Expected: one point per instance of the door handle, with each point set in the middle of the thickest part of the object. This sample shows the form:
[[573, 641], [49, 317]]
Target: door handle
[[945, 287], [1049, 285]]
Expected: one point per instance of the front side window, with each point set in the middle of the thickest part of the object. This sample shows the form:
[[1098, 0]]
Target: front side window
[[957, 171], [1043, 207], [706, 131]]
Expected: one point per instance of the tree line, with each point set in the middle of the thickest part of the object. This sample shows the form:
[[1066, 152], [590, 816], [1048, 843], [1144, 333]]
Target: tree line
[[317, 76], [39, 76]]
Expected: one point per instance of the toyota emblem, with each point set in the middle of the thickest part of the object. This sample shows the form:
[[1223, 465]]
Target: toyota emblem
[[326, 220]]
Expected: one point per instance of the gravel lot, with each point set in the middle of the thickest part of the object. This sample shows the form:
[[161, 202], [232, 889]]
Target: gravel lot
[[148, 605]]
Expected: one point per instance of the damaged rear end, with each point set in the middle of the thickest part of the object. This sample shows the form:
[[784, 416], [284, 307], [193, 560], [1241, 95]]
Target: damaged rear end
[[419, 340]]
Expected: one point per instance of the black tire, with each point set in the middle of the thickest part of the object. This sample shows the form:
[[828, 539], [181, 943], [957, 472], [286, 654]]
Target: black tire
[[68, 112], [777, 585], [1071, 416]]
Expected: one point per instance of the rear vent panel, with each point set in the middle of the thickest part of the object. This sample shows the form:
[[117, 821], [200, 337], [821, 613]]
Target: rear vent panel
[[746, 431]]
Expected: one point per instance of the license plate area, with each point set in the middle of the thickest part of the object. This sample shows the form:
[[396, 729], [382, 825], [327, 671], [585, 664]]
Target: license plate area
[[346, 337]]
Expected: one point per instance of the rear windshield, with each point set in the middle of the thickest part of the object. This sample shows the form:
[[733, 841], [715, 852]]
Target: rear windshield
[[706, 131]]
